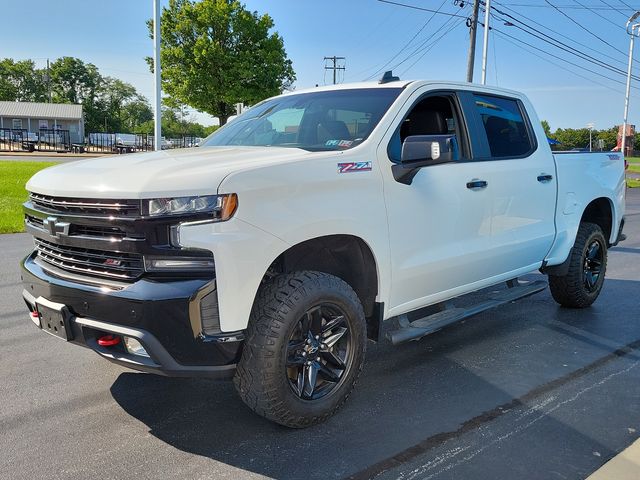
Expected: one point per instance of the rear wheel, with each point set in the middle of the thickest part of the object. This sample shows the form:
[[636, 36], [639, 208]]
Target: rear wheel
[[304, 350], [583, 282]]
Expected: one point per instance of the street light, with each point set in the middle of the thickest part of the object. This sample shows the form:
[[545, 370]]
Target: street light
[[633, 31], [590, 127], [157, 105], [485, 43]]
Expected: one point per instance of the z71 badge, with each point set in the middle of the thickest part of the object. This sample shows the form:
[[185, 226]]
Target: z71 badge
[[354, 167]]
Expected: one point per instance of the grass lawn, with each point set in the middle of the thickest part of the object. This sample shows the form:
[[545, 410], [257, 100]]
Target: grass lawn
[[13, 176], [633, 183], [633, 167]]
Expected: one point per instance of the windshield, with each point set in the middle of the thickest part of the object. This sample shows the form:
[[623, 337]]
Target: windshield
[[329, 120]]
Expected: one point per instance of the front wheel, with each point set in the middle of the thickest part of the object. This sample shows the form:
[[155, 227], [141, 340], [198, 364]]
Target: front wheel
[[583, 282], [304, 350]]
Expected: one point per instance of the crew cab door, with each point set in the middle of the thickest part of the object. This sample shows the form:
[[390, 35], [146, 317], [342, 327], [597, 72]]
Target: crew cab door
[[440, 224], [524, 184]]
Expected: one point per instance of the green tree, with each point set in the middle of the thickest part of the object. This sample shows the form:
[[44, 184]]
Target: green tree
[[216, 53], [21, 81], [546, 127], [175, 124], [609, 136], [136, 113], [74, 81], [114, 98], [571, 138]]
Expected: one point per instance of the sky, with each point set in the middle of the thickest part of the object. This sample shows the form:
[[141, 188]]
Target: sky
[[374, 36]]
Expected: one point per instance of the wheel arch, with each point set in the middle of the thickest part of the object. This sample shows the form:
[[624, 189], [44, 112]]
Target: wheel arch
[[600, 212], [346, 256]]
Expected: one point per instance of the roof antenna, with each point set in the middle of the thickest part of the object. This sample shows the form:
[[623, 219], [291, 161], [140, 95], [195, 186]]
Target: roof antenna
[[388, 77]]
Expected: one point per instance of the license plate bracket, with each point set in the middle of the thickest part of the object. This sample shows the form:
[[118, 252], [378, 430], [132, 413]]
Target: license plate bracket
[[54, 319]]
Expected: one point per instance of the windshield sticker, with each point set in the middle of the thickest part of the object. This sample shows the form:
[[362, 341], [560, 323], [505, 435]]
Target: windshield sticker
[[339, 143], [354, 167]]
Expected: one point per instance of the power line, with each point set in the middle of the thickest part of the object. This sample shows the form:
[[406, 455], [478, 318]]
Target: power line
[[421, 8], [376, 29], [627, 5], [421, 47], [558, 57], [561, 45], [586, 29], [614, 8], [406, 45], [617, 25], [504, 36], [574, 7], [426, 50], [589, 47]]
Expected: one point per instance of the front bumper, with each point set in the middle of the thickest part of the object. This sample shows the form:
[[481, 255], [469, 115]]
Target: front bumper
[[154, 312]]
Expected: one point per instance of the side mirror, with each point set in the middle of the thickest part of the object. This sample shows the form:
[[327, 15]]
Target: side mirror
[[421, 151]]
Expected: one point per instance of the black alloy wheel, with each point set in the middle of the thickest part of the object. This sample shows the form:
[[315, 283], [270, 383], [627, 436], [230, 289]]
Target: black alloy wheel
[[319, 352], [592, 265], [304, 349], [582, 283]]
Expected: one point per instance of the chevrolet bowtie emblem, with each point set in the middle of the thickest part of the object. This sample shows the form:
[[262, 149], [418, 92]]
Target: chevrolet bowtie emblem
[[54, 227]]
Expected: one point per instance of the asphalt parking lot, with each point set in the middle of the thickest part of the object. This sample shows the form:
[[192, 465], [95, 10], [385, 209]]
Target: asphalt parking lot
[[529, 390]]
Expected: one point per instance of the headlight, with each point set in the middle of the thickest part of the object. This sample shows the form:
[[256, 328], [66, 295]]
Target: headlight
[[221, 206]]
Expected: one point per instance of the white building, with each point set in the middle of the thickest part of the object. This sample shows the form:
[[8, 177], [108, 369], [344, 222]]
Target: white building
[[33, 117]]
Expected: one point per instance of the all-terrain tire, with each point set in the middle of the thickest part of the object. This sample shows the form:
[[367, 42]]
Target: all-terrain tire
[[261, 377], [572, 290]]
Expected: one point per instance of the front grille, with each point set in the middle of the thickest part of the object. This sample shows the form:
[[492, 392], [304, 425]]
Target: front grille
[[35, 221], [84, 206], [124, 266], [95, 231], [87, 230]]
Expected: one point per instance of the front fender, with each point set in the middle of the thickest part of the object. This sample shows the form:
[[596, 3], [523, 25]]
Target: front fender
[[242, 254]]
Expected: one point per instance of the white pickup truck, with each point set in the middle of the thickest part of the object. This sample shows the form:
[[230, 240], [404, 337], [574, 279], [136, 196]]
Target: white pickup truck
[[271, 253]]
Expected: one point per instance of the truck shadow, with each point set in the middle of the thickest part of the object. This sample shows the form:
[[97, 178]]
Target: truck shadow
[[421, 394]]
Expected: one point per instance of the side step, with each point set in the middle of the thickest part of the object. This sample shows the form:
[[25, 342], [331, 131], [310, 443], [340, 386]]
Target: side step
[[432, 323]]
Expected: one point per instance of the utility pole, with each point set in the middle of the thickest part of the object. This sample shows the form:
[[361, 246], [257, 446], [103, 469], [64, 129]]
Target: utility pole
[[485, 44], [157, 111], [632, 30], [49, 80], [472, 40], [590, 127], [335, 67]]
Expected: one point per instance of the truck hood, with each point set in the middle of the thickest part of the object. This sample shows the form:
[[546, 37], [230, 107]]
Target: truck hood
[[192, 171]]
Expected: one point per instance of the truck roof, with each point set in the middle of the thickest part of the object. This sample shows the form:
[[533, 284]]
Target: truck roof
[[405, 83]]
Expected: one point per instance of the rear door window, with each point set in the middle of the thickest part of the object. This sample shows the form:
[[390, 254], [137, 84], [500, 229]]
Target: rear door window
[[506, 129]]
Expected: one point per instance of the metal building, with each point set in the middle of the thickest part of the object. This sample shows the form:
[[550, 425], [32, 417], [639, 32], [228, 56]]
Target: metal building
[[33, 117]]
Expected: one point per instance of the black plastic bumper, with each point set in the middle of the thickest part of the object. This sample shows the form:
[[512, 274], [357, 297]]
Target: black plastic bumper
[[156, 313]]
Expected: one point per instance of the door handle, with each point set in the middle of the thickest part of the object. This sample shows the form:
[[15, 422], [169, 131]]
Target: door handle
[[545, 177], [477, 184]]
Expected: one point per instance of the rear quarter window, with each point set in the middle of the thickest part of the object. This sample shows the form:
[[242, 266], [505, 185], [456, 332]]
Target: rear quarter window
[[506, 129]]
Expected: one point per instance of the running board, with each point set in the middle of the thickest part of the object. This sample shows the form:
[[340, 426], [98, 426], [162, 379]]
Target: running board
[[432, 323]]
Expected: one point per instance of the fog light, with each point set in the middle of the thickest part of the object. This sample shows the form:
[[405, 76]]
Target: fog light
[[134, 347], [155, 264]]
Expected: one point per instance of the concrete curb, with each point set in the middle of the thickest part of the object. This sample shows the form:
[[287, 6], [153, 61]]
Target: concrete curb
[[624, 466]]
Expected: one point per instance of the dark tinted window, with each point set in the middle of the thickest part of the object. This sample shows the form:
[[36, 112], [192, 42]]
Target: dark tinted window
[[433, 115], [506, 129], [323, 120]]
